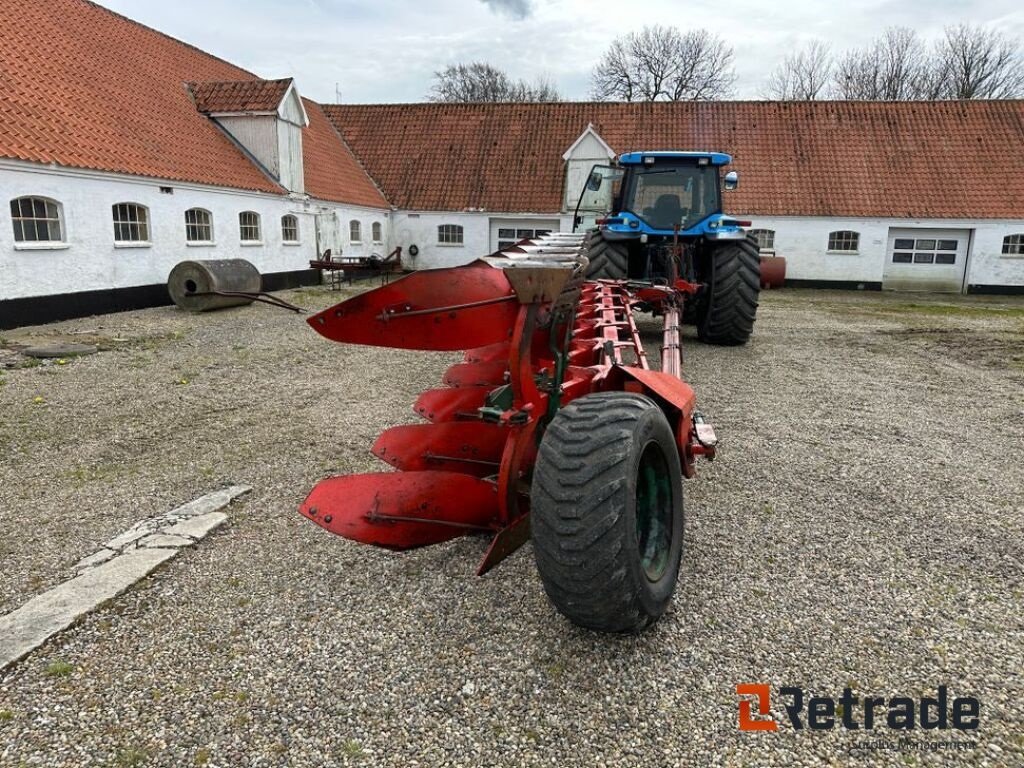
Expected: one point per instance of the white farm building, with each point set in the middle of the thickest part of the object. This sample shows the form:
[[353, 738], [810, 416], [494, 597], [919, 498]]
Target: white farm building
[[124, 151]]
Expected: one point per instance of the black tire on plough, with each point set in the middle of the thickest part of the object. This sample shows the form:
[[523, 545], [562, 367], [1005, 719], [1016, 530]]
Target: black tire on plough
[[607, 516]]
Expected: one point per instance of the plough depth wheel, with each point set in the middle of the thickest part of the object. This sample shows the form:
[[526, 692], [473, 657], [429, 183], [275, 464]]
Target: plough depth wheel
[[607, 511]]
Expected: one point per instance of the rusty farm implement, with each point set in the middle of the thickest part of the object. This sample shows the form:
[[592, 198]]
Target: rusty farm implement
[[553, 427]]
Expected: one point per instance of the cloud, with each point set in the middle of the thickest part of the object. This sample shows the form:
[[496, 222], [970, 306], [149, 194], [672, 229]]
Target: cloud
[[516, 9]]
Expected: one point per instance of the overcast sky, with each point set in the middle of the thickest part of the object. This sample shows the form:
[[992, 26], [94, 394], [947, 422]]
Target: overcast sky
[[387, 50]]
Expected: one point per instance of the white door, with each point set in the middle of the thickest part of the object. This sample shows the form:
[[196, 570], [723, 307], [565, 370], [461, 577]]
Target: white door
[[327, 234], [506, 232], [918, 259]]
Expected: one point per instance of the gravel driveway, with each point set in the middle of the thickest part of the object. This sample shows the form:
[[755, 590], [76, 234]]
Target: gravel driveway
[[862, 527]]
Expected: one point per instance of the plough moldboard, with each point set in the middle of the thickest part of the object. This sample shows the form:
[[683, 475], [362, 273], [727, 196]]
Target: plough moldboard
[[546, 353]]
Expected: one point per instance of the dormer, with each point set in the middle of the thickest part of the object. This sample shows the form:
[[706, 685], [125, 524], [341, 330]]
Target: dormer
[[586, 152], [265, 118]]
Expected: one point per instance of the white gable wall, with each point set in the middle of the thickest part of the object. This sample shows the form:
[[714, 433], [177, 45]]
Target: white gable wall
[[258, 134], [588, 151]]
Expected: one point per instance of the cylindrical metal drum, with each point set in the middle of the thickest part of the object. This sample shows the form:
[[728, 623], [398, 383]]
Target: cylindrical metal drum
[[193, 284], [773, 271]]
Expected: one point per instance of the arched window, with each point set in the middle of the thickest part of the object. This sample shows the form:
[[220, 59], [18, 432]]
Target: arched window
[[198, 226], [765, 238], [131, 223], [355, 231], [1013, 245], [377, 232], [290, 228], [843, 241], [249, 227], [37, 220], [449, 234]]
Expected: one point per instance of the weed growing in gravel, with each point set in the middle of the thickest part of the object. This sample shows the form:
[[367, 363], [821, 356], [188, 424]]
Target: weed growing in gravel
[[6, 715], [59, 669], [352, 748], [130, 757], [202, 756], [30, 362]]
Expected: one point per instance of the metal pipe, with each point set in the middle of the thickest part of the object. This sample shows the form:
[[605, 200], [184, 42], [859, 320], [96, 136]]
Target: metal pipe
[[671, 352]]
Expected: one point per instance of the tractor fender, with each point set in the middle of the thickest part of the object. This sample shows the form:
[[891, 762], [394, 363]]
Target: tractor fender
[[675, 397]]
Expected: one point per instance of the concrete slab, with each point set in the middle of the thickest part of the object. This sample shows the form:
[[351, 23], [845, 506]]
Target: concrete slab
[[91, 561], [197, 527], [166, 540], [60, 349], [112, 569], [28, 627]]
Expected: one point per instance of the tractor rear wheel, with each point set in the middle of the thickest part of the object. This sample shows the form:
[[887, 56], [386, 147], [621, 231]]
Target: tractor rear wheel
[[607, 512], [608, 260], [725, 313]]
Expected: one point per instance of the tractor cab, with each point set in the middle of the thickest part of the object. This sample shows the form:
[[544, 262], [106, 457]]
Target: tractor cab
[[648, 195]]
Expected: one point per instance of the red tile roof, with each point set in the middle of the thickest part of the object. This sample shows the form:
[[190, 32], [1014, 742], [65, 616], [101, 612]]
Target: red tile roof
[[332, 172], [240, 95], [915, 159], [86, 88], [83, 87]]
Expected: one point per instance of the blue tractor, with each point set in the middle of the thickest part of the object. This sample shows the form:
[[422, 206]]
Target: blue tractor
[[657, 216]]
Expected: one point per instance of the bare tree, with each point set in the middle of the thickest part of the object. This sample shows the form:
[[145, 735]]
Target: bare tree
[[480, 82], [802, 76], [664, 64], [895, 67], [975, 63]]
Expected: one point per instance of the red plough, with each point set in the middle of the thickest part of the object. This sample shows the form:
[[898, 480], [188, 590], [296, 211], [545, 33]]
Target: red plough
[[554, 397]]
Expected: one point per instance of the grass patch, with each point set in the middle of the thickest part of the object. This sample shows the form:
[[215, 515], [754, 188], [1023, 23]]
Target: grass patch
[[131, 757], [59, 669], [6, 715], [352, 748], [81, 475], [952, 310]]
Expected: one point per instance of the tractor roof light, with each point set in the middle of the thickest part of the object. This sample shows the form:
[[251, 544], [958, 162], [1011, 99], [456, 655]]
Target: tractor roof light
[[703, 161], [649, 160]]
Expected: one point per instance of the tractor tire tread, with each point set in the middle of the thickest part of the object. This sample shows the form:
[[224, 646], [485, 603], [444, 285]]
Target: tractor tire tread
[[728, 318]]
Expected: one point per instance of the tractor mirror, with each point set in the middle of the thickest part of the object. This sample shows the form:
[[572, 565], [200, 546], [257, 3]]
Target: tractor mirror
[[594, 182], [732, 179]]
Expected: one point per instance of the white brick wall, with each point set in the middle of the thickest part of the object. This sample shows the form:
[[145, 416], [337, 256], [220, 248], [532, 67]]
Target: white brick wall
[[91, 261]]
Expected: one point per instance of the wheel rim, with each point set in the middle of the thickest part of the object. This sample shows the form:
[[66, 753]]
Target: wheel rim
[[653, 512]]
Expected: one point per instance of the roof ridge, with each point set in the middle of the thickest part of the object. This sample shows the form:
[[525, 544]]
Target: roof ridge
[[493, 104]]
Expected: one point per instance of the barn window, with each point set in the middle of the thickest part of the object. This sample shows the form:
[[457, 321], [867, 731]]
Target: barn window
[[290, 228], [843, 241], [450, 234], [131, 223], [765, 238], [36, 220], [249, 227], [355, 231], [1013, 245], [377, 232], [198, 226]]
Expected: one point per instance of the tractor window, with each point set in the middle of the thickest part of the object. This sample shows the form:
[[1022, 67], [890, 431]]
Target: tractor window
[[666, 196], [600, 191]]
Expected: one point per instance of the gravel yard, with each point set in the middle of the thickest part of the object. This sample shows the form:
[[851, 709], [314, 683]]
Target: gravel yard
[[863, 526]]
